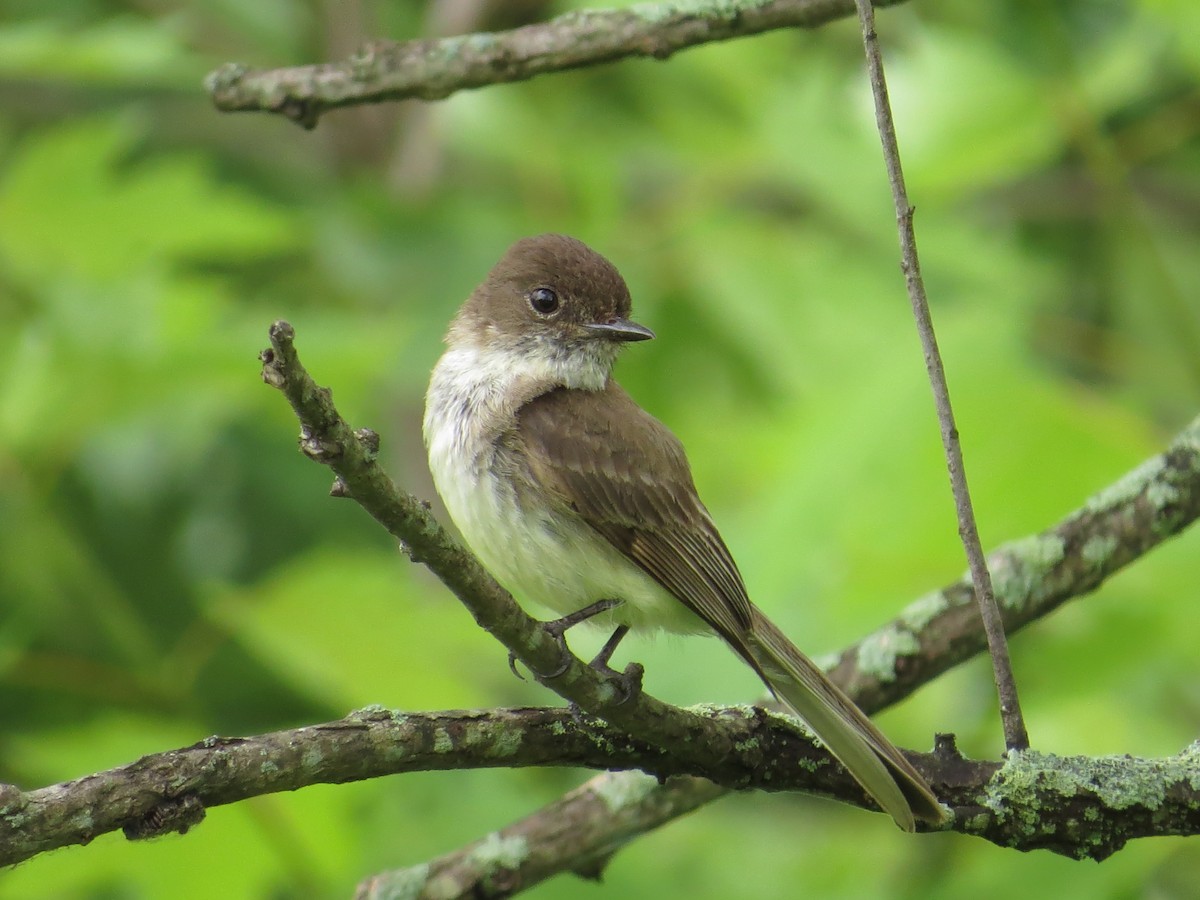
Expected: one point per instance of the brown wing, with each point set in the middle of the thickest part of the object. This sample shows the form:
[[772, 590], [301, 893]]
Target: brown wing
[[633, 485]]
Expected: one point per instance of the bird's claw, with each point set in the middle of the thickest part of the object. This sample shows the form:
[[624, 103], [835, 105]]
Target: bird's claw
[[512, 665], [629, 682], [557, 629]]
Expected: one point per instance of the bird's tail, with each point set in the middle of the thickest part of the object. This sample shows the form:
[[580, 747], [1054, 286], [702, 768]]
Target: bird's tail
[[843, 728]]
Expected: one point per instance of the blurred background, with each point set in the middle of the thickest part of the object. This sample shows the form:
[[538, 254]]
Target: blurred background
[[171, 567]]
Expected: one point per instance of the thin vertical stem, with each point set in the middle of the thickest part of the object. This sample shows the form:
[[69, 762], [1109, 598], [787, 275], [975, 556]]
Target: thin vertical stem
[[1015, 735]]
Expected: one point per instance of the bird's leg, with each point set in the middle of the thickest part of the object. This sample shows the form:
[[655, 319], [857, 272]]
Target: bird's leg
[[600, 663], [556, 628], [631, 679]]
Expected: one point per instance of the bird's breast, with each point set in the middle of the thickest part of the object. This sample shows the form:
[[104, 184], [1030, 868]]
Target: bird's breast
[[537, 548]]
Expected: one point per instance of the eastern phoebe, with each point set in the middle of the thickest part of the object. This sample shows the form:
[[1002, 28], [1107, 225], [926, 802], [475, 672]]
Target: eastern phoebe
[[576, 498]]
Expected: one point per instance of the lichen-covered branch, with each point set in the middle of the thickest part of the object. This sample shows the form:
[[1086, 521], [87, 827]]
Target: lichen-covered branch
[[1105, 802], [1075, 806], [434, 69], [577, 833], [1033, 576], [169, 792], [1085, 808]]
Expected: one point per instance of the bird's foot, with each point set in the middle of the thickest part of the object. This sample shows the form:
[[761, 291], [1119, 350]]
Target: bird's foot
[[628, 685], [628, 682], [557, 629]]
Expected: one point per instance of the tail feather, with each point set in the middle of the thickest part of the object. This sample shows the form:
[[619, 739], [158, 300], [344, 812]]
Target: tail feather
[[850, 736]]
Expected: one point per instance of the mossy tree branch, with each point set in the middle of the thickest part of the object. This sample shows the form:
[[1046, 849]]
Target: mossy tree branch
[[434, 69], [1033, 577], [1094, 805], [170, 791], [1076, 806]]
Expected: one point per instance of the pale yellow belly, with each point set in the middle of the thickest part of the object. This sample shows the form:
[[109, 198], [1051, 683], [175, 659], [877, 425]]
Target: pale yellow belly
[[553, 560]]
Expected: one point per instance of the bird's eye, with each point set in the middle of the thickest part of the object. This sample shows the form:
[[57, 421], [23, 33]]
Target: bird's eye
[[544, 300]]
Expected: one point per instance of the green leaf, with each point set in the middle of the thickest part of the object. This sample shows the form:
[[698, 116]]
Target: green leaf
[[72, 202]]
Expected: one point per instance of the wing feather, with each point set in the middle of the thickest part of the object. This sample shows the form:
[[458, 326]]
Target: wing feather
[[626, 475]]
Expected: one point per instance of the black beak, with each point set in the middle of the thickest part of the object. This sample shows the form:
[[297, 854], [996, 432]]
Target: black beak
[[620, 330]]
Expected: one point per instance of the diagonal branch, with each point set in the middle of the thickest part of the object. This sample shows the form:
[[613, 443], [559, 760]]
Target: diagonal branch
[[1078, 807], [435, 69], [326, 438], [1034, 576]]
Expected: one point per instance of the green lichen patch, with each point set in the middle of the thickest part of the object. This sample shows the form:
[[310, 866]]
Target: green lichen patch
[[619, 790], [503, 745], [1098, 548], [1117, 782], [1021, 568], [1128, 487], [1162, 494], [924, 610], [496, 852], [407, 884], [376, 712], [876, 656], [312, 757], [442, 741]]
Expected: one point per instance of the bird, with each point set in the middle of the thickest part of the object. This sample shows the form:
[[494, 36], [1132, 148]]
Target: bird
[[577, 499]]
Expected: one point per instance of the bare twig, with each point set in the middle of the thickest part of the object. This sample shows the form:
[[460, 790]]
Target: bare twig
[[433, 69], [1015, 735]]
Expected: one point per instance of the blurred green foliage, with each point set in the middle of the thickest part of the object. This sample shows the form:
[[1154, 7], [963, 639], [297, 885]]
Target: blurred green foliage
[[170, 567]]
